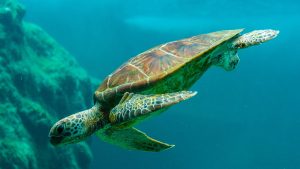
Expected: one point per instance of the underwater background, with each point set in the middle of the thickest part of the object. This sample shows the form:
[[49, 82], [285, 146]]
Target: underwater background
[[245, 119]]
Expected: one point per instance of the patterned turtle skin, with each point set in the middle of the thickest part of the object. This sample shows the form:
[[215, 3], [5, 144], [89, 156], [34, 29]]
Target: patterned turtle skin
[[132, 106], [150, 83]]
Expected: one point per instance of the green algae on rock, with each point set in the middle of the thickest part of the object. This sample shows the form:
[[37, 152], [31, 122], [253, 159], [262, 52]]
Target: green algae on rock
[[39, 83]]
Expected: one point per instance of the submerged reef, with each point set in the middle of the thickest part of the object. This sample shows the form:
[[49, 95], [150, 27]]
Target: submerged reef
[[40, 82]]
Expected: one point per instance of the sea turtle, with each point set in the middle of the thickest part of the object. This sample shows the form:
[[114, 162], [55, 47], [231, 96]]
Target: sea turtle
[[148, 84]]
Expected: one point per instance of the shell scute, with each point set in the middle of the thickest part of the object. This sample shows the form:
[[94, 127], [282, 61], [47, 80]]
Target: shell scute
[[126, 74], [184, 48], [155, 62]]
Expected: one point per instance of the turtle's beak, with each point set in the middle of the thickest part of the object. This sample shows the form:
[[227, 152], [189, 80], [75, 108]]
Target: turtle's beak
[[56, 134], [55, 140]]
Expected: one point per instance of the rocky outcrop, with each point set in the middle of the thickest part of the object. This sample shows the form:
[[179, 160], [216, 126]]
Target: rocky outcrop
[[40, 82]]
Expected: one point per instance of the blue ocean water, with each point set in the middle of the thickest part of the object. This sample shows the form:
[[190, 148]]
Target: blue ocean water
[[244, 119]]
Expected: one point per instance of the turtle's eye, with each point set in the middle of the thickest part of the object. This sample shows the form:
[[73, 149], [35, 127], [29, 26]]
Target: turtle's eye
[[60, 129]]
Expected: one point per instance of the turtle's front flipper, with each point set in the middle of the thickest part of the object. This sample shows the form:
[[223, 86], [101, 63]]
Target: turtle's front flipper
[[133, 107], [132, 139]]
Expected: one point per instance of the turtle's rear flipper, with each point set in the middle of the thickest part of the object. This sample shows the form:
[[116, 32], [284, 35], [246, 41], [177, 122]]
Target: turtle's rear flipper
[[135, 107], [132, 139], [255, 38]]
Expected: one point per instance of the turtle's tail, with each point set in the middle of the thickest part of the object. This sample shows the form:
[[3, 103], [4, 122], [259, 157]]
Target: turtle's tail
[[255, 38]]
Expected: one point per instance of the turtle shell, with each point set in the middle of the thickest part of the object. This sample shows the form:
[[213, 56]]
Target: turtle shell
[[155, 64]]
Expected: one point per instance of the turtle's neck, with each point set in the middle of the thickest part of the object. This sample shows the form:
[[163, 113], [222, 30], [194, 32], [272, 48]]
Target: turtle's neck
[[94, 119]]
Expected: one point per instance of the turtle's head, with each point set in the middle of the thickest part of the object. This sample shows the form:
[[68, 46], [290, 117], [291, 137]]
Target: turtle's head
[[76, 127], [68, 130]]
